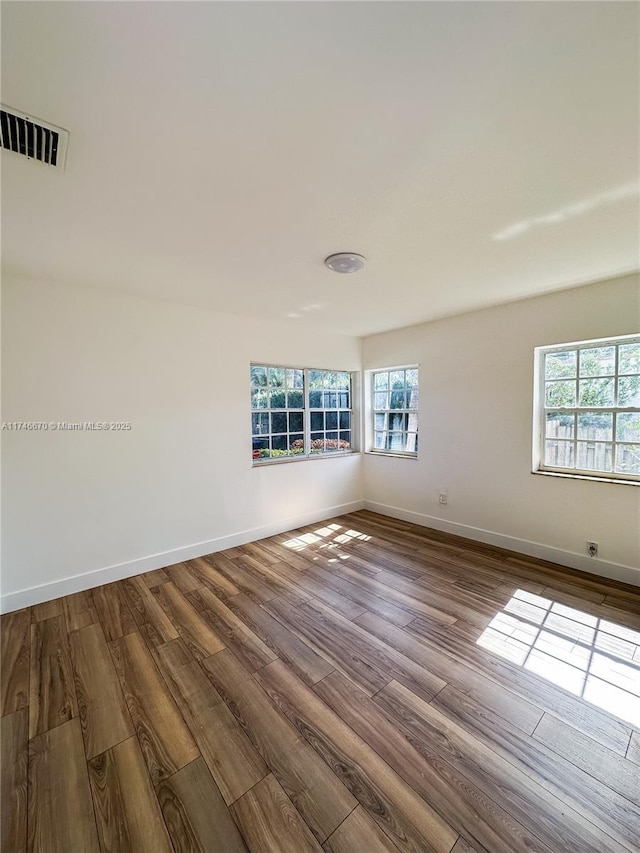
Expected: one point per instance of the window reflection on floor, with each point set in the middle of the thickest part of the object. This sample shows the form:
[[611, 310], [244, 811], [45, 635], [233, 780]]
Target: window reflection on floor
[[331, 536], [591, 657]]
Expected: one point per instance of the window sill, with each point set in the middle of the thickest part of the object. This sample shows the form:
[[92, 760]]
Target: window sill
[[392, 454], [263, 463], [593, 479]]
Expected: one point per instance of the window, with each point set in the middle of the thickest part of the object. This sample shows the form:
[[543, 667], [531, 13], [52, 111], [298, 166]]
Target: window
[[330, 411], [299, 413], [395, 410], [589, 409]]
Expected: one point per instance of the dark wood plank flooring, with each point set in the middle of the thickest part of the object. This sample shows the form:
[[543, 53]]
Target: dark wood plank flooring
[[361, 685]]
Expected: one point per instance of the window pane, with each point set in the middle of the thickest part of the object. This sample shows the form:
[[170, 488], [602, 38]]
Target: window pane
[[260, 444], [396, 379], [330, 399], [259, 399], [258, 377], [412, 378], [412, 398], [412, 442], [594, 456], [331, 420], [294, 379], [343, 381], [345, 440], [330, 379], [296, 443], [380, 440], [597, 426], [628, 426], [317, 420], [345, 420], [380, 400], [629, 358], [315, 378], [344, 400], [295, 399], [560, 364], [628, 458], [398, 421], [260, 423], [559, 425], [396, 441], [278, 422], [276, 377], [629, 391], [317, 444], [380, 421], [295, 422], [396, 400], [558, 454], [600, 361], [315, 399], [277, 399], [279, 442], [381, 381], [331, 436], [561, 393], [596, 392]]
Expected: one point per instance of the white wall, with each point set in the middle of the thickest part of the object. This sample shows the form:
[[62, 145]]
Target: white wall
[[83, 508], [476, 389], [181, 482]]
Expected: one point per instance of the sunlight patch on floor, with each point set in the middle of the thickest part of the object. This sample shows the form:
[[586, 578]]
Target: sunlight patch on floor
[[299, 543], [593, 658]]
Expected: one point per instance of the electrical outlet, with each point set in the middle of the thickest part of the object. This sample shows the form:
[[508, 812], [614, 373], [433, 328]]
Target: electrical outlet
[[442, 498], [592, 549]]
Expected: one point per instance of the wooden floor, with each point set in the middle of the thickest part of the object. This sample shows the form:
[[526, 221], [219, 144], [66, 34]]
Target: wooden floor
[[360, 685]]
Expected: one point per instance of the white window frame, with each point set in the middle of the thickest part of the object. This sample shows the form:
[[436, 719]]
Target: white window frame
[[371, 428], [540, 410], [306, 412]]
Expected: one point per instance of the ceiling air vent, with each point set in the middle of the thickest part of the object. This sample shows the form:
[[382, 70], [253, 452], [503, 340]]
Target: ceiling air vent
[[33, 138]]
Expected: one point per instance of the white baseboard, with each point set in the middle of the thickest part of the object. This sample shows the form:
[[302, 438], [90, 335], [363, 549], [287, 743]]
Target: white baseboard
[[97, 577], [615, 571]]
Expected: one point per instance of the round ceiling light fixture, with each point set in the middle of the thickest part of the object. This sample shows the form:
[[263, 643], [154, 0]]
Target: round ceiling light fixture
[[345, 262]]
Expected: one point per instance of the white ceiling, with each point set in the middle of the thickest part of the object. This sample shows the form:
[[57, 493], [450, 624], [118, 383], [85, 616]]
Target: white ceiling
[[475, 153]]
